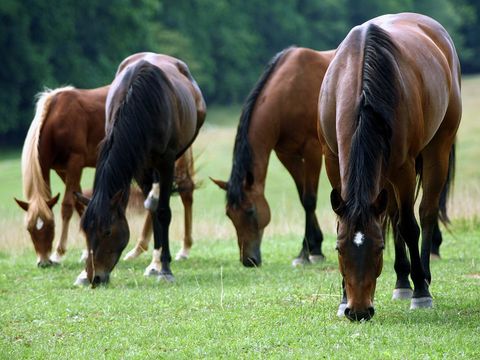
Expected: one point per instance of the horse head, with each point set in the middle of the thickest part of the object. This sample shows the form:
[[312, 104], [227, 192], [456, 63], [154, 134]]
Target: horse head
[[360, 245], [107, 236], [250, 216], [41, 226]]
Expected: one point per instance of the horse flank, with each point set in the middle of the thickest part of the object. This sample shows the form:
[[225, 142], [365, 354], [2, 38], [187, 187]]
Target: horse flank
[[126, 145], [242, 152], [35, 189], [370, 148]]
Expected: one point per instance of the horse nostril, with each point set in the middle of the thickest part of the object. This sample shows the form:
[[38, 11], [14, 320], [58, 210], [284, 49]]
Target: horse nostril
[[347, 312], [44, 263], [251, 262], [371, 311], [96, 280]]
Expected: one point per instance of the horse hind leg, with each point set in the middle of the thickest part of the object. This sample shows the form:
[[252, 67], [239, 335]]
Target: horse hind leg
[[186, 194]]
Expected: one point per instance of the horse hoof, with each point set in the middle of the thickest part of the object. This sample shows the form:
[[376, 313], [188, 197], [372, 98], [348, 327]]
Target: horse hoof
[[341, 309], [315, 259], [402, 294], [84, 256], [421, 303], [56, 258], [182, 255], [151, 271], [133, 254], [82, 279], [168, 277], [299, 261]]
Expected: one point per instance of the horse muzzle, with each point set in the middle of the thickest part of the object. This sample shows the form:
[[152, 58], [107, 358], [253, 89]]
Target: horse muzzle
[[100, 279], [359, 315]]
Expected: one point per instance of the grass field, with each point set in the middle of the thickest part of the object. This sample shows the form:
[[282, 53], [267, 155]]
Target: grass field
[[218, 309]]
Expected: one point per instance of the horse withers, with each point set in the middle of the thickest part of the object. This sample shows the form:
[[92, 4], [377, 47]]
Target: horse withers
[[279, 114], [389, 108], [154, 111]]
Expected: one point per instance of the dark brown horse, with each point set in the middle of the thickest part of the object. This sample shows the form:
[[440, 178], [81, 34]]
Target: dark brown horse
[[389, 109], [68, 125], [154, 111], [279, 114]]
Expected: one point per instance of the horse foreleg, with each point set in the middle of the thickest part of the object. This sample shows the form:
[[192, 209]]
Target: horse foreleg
[[306, 183], [402, 289], [410, 232], [142, 244], [71, 178]]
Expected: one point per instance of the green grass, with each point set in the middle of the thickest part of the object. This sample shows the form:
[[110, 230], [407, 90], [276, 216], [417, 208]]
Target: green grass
[[218, 309]]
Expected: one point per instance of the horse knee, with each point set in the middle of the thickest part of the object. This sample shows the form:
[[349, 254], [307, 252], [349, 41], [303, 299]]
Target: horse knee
[[164, 215], [67, 211], [309, 202]]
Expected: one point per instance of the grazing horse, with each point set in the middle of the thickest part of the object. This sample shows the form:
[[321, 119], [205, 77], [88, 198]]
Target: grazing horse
[[279, 114], [69, 124], [389, 108], [154, 111], [63, 136]]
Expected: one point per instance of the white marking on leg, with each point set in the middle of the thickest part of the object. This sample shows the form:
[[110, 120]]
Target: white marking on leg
[[155, 267], [39, 224], [358, 239]]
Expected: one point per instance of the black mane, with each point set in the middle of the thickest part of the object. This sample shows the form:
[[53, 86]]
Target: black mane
[[242, 151], [370, 148], [124, 151]]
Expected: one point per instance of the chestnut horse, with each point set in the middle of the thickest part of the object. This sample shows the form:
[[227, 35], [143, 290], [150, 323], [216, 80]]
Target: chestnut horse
[[390, 102], [154, 111], [68, 125], [279, 114]]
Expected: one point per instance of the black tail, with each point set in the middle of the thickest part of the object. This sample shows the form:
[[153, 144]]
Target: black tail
[[447, 188], [242, 152]]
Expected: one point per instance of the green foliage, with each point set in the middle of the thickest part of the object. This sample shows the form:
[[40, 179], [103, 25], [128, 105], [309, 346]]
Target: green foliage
[[225, 42]]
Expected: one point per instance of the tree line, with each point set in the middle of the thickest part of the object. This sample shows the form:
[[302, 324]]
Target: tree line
[[226, 43]]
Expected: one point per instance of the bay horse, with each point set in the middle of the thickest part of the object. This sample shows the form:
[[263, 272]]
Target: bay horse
[[279, 114], [154, 111], [68, 125], [389, 108]]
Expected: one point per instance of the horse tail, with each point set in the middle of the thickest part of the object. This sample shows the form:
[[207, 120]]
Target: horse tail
[[372, 138], [242, 152], [34, 185], [447, 188]]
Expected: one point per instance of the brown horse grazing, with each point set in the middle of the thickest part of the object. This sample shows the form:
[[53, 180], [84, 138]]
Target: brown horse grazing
[[154, 111], [390, 102], [68, 125], [279, 114], [63, 136]]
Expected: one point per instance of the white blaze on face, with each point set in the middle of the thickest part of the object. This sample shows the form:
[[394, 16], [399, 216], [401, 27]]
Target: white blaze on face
[[358, 239], [39, 224]]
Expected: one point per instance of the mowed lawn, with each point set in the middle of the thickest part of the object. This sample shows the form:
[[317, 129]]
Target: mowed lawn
[[219, 309]]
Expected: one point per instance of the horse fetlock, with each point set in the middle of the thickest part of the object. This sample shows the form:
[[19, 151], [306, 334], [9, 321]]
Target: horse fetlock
[[402, 294]]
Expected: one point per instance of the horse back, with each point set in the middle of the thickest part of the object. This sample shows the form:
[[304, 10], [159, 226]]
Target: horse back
[[75, 124], [286, 109]]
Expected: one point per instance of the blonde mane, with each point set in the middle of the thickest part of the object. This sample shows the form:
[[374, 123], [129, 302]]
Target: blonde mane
[[36, 191]]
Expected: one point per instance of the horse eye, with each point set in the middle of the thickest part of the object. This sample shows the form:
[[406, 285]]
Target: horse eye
[[108, 233]]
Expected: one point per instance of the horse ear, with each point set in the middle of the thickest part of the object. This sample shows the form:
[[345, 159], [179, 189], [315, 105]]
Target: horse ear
[[380, 204], [221, 184], [23, 204], [338, 205], [51, 203], [82, 199]]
